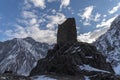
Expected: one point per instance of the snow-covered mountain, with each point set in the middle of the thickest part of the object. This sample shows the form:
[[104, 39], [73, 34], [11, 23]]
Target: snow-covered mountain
[[21, 55], [109, 44]]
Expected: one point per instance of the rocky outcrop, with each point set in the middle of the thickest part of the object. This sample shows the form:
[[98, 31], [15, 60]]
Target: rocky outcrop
[[73, 58], [67, 32]]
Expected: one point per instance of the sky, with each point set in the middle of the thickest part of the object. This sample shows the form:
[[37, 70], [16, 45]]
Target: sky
[[39, 19]]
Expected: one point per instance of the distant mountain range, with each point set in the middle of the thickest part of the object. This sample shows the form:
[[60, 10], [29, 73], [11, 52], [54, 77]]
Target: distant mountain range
[[21, 55]]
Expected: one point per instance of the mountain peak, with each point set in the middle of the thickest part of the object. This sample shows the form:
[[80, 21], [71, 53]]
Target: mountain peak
[[116, 23], [117, 19], [20, 55]]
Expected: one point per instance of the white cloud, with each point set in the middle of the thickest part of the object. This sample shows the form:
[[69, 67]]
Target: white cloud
[[31, 28], [86, 23], [91, 36], [18, 32], [64, 4], [29, 25], [115, 9], [28, 14], [104, 20], [38, 3], [85, 37], [104, 15], [87, 15], [97, 17], [106, 23], [33, 21], [28, 18], [27, 5], [35, 32], [55, 20], [54, 11]]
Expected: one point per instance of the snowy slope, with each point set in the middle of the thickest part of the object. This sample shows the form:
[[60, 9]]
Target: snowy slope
[[42, 77], [109, 44], [90, 68], [21, 55]]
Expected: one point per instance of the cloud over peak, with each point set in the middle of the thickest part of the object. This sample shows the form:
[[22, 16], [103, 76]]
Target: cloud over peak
[[35, 32], [90, 37], [106, 23]]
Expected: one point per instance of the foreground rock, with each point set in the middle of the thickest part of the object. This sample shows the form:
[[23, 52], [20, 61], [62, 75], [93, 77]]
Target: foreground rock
[[104, 76], [8, 76], [75, 59]]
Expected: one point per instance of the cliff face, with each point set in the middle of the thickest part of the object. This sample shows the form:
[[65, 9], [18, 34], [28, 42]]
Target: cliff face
[[67, 32]]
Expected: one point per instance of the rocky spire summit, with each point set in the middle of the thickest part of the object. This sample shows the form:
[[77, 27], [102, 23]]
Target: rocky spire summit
[[67, 32]]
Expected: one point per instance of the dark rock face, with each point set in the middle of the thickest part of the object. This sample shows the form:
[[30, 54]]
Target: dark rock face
[[104, 76], [8, 72], [67, 32], [68, 59], [9, 76], [74, 58]]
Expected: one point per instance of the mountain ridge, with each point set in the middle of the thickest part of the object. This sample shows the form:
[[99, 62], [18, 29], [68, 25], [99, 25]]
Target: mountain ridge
[[109, 44]]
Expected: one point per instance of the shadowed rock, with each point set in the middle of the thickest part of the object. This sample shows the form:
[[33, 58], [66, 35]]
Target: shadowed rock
[[9, 76], [8, 72]]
